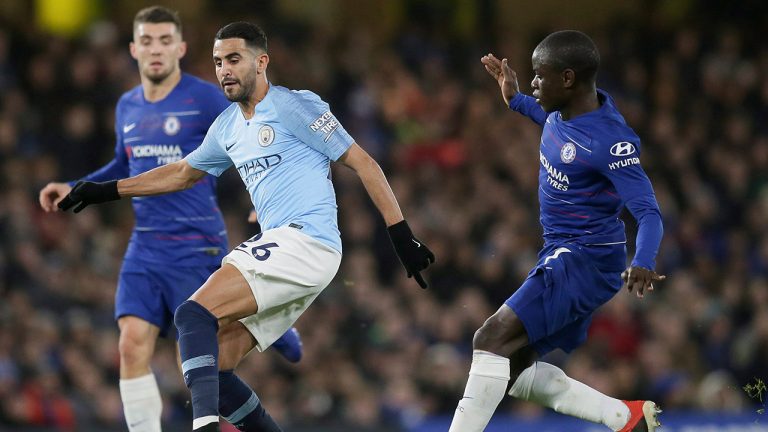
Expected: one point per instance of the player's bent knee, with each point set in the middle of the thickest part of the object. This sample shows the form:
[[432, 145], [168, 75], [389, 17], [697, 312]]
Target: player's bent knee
[[190, 312], [489, 337], [501, 334], [130, 345], [136, 343]]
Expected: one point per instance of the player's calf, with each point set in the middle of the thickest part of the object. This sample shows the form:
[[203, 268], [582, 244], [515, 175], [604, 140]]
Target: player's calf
[[199, 351], [142, 404], [502, 334]]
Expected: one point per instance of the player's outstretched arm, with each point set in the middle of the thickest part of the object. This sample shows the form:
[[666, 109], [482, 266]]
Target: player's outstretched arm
[[164, 179], [414, 254], [161, 180], [503, 74]]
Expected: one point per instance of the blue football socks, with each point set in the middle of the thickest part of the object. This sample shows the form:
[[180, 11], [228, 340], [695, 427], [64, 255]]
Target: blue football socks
[[240, 406], [199, 349]]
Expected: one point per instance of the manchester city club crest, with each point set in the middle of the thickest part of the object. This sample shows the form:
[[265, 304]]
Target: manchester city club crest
[[266, 135], [568, 152], [171, 125]]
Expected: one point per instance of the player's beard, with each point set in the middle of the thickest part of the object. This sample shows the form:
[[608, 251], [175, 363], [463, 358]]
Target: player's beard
[[160, 76], [247, 87]]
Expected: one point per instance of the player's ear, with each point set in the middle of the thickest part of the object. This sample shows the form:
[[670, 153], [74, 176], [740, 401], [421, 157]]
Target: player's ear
[[132, 49], [261, 63], [569, 78], [182, 49]]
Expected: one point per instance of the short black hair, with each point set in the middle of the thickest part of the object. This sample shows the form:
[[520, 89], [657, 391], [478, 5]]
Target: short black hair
[[253, 35], [157, 14], [571, 49]]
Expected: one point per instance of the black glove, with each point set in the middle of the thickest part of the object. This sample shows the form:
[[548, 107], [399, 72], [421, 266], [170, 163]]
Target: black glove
[[414, 254], [85, 193]]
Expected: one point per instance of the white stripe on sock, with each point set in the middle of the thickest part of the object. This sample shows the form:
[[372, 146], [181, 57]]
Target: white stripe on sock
[[202, 421]]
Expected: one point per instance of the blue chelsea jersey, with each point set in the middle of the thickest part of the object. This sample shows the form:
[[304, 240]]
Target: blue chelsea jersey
[[283, 156], [186, 227], [589, 170]]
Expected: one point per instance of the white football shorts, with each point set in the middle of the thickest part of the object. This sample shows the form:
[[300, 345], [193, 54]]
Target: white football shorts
[[286, 270]]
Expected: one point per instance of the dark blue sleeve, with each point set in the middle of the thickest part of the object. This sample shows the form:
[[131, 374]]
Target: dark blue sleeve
[[650, 230], [621, 165], [117, 168], [527, 106], [113, 170]]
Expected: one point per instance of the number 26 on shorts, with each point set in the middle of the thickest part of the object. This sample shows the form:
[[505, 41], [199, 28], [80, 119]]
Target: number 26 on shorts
[[260, 252]]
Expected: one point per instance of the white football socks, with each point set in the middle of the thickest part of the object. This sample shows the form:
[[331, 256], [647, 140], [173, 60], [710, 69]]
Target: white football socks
[[548, 385], [487, 383], [142, 404]]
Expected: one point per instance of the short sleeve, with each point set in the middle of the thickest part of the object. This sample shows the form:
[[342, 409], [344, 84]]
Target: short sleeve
[[210, 157], [310, 119]]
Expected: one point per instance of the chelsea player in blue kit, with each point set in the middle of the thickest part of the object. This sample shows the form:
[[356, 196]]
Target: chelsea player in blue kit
[[179, 239], [589, 170], [282, 143]]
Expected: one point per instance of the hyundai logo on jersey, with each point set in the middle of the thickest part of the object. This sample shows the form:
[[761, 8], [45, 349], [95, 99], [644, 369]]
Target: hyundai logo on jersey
[[623, 148]]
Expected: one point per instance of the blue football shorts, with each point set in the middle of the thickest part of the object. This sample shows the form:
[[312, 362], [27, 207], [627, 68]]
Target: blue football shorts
[[569, 282], [152, 292]]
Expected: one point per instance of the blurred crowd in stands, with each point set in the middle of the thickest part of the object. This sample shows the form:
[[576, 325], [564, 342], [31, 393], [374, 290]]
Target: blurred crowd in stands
[[379, 351]]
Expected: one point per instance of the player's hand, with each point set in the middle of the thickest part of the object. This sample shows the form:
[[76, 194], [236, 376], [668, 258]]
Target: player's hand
[[252, 218], [52, 194], [640, 279], [414, 254], [503, 74], [85, 193]]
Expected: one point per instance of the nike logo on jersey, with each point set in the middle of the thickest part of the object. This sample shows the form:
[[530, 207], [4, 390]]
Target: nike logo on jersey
[[129, 127], [227, 147], [417, 243]]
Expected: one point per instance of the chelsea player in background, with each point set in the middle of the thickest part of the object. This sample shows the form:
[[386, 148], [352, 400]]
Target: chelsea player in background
[[590, 169], [282, 143], [179, 239]]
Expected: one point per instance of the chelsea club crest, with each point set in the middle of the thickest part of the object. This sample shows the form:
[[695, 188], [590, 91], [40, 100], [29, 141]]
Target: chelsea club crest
[[266, 135], [568, 152], [171, 125]]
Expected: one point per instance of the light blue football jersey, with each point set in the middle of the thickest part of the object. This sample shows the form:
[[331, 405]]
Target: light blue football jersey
[[283, 155]]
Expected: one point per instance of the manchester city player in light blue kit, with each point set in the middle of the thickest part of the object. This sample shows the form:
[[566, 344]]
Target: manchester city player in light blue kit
[[282, 143], [178, 239], [590, 169]]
